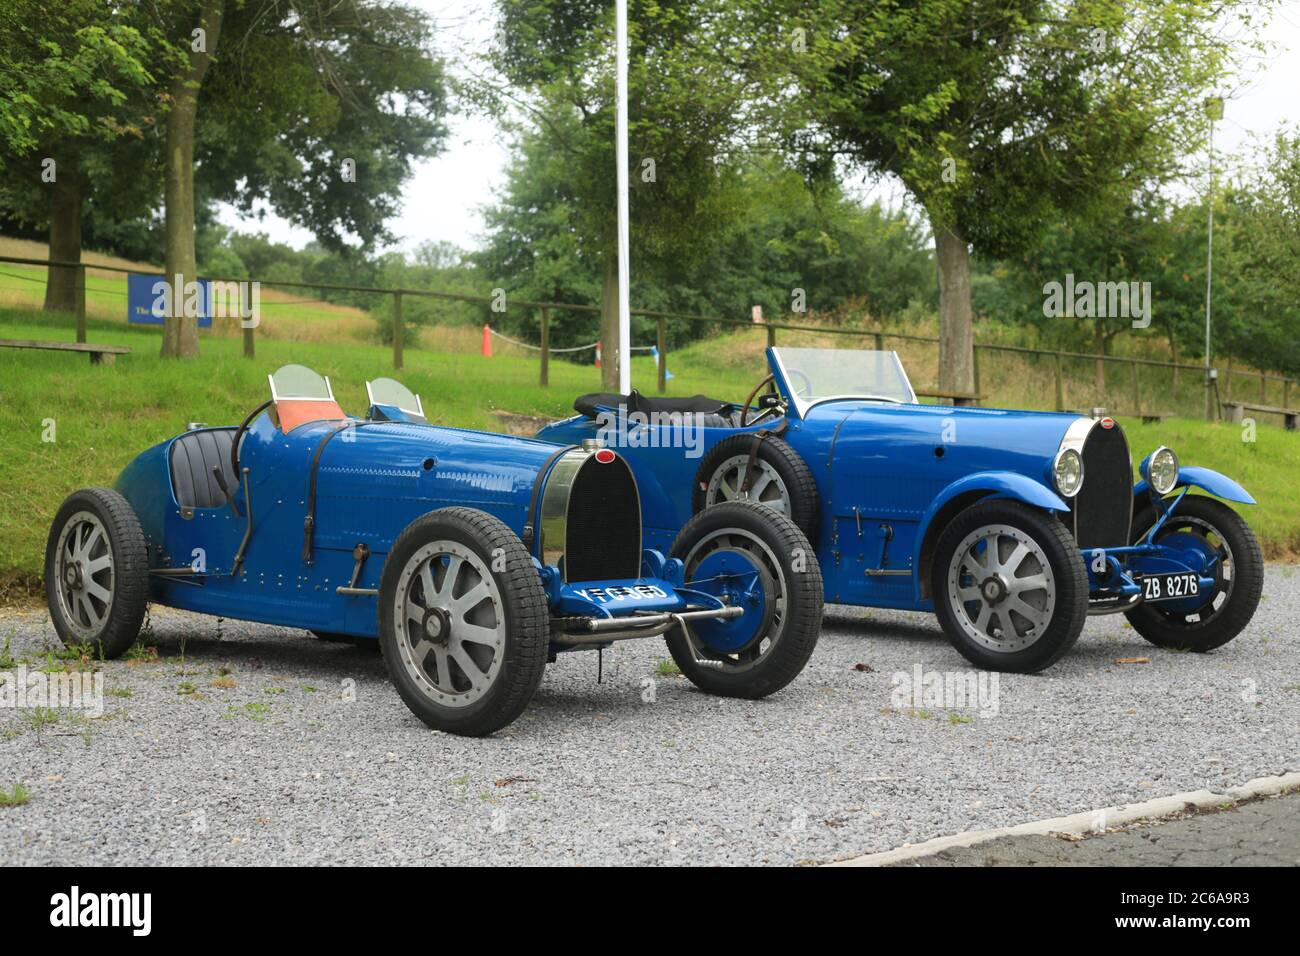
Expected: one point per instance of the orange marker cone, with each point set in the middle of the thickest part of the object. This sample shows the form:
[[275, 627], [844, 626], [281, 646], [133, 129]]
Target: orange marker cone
[[487, 340]]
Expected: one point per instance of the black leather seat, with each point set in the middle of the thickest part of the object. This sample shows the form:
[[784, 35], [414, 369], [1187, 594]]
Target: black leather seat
[[636, 402], [193, 456]]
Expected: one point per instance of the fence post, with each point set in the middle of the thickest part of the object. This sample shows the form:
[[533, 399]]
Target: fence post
[[1286, 393], [249, 349], [975, 370], [880, 341], [1227, 381], [546, 347], [397, 330], [771, 337], [1137, 389], [661, 343], [1060, 384], [79, 305]]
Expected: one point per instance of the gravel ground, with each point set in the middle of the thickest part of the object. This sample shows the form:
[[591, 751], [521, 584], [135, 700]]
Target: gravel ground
[[265, 745]]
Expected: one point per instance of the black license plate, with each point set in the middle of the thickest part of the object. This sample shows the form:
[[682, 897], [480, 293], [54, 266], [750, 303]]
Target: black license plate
[[1170, 587]]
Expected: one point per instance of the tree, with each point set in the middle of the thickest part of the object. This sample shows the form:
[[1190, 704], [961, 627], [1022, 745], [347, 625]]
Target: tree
[[316, 106], [689, 84], [1003, 116], [76, 116]]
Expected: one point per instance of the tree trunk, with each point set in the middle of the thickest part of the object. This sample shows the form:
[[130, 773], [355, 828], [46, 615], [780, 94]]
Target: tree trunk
[[180, 331], [956, 336], [609, 343], [62, 287]]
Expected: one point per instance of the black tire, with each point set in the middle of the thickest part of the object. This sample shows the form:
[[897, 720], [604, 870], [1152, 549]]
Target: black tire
[[793, 471], [1215, 626], [72, 585], [1064, 595], [518, 611], [779, 652]]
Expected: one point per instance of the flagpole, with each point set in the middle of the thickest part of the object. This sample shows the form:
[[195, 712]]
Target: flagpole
[[624, 296]]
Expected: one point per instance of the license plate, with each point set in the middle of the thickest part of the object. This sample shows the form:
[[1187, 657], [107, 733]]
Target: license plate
[[1170, 587]]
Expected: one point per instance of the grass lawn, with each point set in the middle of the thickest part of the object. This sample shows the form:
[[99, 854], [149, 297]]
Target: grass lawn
[[103, 416]]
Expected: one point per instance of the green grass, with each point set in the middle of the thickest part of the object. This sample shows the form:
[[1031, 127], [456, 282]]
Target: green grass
[[15, 797], [104, 415]]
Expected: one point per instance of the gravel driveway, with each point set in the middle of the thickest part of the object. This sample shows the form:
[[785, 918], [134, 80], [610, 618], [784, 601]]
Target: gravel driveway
[[265, 745]]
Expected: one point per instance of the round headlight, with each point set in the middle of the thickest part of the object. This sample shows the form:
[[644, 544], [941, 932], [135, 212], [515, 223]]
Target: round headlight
[[1162, 470], [1067, 472]]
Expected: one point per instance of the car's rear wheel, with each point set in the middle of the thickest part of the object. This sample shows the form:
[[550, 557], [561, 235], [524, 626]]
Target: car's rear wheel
[[97, 572], [778, 478], [758, 559], [1009, 586], [1208, 527], [462, 621]]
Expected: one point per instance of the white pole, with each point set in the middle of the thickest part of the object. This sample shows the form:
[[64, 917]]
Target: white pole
[[624, 297]]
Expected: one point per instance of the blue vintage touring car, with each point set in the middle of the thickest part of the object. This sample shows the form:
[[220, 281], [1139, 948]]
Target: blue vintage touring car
[[473, 557], [1012, 526]]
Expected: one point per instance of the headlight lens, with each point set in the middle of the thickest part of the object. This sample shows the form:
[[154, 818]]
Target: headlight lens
[[1067, 472], [1162, 470]]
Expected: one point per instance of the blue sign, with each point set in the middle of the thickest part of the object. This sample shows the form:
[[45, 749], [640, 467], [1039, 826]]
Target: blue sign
[[147, 306]]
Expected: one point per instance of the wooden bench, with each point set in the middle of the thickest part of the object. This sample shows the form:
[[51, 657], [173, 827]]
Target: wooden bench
[[99, 354], [1235, 412], [957, 398]]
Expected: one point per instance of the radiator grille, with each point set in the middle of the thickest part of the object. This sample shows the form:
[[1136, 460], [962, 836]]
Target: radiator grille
[[1103, 508], [603, 538]]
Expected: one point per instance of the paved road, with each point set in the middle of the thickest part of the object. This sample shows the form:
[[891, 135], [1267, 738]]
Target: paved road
[[1262, 833], [266, 745]]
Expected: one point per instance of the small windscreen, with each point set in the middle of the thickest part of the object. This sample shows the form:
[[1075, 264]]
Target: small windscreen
[[387, 391], [298, 382]]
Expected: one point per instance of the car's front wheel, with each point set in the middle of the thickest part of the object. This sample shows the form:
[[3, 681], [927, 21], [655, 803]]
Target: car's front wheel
[[749, 556], [462, 621], [1010, 587], [1227, 547]]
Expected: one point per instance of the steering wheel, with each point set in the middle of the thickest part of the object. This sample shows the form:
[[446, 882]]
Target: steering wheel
[[239, 435], [745, 420]]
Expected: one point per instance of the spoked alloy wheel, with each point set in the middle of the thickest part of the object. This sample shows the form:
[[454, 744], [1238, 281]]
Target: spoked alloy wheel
[[780, 479], [751, 557], [450, 623], [1001, 588], [462, 621], [767, 488], [1216, 536], [96, 571], [1009, 586], [84, 575]]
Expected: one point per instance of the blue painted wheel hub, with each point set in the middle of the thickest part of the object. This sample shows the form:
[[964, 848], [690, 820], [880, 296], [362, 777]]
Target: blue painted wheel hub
[[734, 577]]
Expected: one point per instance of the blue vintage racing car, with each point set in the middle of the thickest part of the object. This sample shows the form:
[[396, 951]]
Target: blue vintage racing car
[[473, 557], [1012, 526]]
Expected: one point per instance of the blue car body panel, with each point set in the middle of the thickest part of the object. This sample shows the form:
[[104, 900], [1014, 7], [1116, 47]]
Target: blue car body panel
[[373, 479], [1219, 485], [889, 476]]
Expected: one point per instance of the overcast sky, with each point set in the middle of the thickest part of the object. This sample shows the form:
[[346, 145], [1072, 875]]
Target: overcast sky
[[443, 197]]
